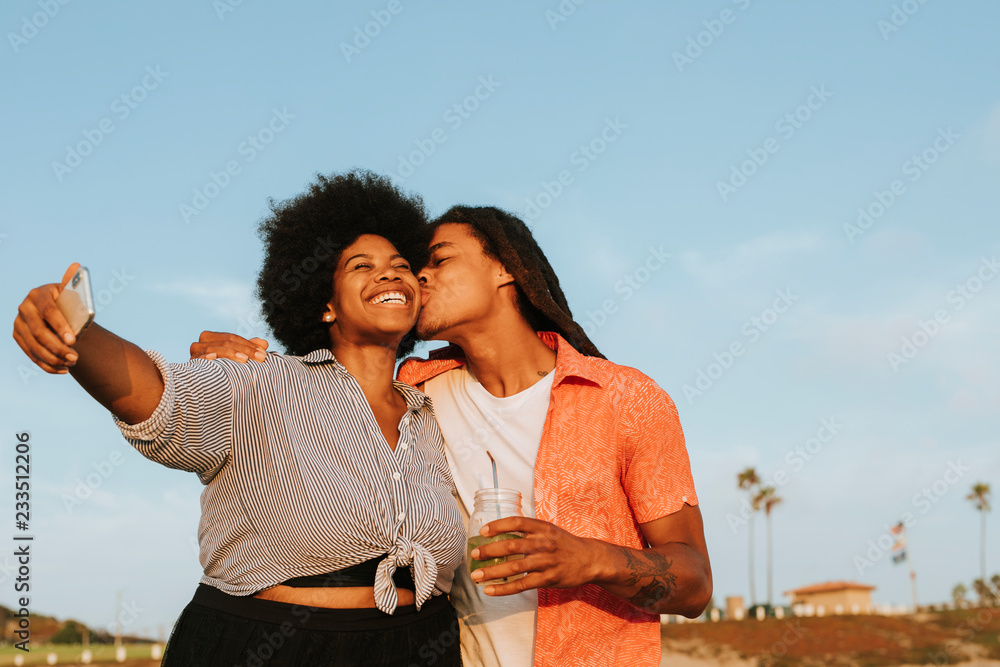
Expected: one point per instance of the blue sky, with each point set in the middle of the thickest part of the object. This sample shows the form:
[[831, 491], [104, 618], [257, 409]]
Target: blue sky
[[688, 168]]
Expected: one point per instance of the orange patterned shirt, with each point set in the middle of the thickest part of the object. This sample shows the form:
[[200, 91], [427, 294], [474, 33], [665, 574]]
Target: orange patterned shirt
[[612, 456]]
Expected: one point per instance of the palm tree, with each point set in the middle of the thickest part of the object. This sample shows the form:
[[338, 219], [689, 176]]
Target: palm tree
[[985, 593], [767, 497], [958, 595], [980, 498], [748, 480], [995, 580]]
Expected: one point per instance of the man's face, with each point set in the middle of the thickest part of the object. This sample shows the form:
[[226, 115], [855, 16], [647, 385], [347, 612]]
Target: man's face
[[458, 285]]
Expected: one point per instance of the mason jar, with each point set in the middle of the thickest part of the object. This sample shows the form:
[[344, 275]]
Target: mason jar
[[489, 505]]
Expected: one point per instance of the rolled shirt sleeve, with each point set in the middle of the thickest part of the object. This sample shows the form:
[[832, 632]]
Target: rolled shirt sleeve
[[192, 426], [657, 479]]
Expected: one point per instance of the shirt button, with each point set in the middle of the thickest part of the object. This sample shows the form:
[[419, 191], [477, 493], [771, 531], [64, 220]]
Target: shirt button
[[405, 446], [396, 475], [400, 516], [684, 499]]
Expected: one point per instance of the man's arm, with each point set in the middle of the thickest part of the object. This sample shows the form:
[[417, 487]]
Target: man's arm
[[672, 576]]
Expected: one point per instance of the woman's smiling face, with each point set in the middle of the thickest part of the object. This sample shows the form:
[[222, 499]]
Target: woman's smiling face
[[376, 297]]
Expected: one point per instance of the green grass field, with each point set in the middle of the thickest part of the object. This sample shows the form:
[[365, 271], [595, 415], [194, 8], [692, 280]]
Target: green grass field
[[65, 654]]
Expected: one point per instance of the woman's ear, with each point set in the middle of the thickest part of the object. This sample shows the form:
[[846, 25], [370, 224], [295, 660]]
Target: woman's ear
[[328, 315]]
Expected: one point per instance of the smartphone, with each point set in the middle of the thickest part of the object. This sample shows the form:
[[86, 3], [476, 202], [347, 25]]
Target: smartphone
[[76, 301]]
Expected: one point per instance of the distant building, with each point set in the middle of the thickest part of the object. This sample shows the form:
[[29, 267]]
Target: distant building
[[834, 597], [735, 611]]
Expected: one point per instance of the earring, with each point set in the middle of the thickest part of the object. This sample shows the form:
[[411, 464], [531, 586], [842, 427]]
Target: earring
[[328, 317]]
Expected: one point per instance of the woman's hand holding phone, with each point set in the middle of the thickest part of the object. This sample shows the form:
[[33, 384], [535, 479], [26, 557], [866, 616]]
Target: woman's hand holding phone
[[41, 329]]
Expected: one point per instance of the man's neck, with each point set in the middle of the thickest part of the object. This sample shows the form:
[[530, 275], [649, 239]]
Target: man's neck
[[507, 359]]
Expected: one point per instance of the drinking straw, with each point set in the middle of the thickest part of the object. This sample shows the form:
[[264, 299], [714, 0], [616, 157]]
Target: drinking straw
[[493, 461], [495, 484]]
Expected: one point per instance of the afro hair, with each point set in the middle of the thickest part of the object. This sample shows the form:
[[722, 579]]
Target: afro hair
[[303, 241]]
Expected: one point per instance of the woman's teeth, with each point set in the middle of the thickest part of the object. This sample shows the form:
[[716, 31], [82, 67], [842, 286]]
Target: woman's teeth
[[389, 297]]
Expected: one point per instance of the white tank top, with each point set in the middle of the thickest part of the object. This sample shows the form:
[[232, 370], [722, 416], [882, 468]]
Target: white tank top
[[495, 630]]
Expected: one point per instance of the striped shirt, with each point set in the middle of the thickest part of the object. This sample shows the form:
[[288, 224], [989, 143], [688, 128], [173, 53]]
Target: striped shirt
[[299, 479]]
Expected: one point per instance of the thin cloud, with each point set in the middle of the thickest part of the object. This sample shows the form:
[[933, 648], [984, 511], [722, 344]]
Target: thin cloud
[[752, 258], [225, 298]]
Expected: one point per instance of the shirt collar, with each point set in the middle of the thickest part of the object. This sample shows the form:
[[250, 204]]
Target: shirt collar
[[415, 399], [319, 356], [569, 362]]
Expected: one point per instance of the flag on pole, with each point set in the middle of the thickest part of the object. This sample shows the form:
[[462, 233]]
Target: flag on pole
[[899, 545]]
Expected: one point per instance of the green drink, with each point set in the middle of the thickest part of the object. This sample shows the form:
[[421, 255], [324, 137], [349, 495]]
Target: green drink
[[492, 505], [478, 541]]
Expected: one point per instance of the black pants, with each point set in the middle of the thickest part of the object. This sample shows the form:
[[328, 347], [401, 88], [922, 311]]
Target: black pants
[[221, 630]]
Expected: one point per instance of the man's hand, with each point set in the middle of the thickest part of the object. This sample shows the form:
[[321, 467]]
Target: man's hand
[[671, 576], [215, 345], [553, 558], [42, 331]]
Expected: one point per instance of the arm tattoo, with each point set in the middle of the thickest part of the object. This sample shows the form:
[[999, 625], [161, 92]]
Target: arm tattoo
[[651, 573]]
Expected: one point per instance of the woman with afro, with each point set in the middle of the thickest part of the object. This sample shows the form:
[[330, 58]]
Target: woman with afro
[[329, 533]]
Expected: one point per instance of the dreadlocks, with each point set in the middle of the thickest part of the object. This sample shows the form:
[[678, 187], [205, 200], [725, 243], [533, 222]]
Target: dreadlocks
[[540, 300]]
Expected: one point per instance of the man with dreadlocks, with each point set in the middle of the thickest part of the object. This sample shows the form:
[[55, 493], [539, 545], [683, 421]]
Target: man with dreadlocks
[[613, 534]]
